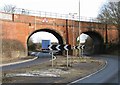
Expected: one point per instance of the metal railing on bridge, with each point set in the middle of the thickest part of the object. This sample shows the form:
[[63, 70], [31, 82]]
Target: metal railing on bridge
[[51, 15]]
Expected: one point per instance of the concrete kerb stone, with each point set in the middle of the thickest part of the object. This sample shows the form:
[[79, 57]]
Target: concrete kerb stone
[[18, 62]]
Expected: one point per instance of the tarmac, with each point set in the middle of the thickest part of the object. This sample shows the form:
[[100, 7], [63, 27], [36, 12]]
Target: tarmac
[[7, 64]]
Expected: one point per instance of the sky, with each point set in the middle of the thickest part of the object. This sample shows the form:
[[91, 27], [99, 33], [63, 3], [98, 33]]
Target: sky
[[88, 8], [38, 37], [82, 38]]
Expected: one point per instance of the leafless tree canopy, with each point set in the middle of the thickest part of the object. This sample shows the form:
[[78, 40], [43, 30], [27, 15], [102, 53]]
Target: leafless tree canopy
[[12, 9], [9, 8], [110, 13]]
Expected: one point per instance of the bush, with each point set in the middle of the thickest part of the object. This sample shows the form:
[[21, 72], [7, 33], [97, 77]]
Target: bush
[[11, 47], [113, 49]]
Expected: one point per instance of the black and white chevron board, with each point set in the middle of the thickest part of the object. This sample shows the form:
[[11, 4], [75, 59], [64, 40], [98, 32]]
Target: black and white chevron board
[[64, 47], [79, 47], [53, 47], [59, 47]]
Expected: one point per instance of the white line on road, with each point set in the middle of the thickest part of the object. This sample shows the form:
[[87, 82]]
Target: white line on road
[[89, 74], [18, 62]]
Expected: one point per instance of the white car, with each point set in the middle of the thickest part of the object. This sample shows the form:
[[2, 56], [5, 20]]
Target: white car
[[42, 54]]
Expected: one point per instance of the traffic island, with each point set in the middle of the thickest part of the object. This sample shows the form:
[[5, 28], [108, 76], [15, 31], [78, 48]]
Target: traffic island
[[59, 73]]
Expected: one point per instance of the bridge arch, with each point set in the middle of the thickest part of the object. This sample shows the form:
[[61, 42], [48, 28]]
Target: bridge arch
[[52, 31], [98, 41], [55, 33]]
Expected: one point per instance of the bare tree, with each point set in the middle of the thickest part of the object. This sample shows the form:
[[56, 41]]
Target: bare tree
[[9, 8], [30, 41], [12, 9], [110, 14]]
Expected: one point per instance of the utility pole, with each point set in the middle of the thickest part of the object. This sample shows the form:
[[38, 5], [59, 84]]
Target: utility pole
[[118, 15], [67, 37], [73, 16], [106, 36], [79, 28]]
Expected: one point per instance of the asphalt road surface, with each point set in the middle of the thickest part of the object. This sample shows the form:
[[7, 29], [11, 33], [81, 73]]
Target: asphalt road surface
[[109, 74], [25, 64]]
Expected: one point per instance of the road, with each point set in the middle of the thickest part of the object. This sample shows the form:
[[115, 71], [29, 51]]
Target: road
[[109, 74], [42, 57], [25, 64]]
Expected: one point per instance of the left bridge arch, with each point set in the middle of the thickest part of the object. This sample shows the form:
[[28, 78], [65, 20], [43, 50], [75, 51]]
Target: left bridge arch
[[52, 31]]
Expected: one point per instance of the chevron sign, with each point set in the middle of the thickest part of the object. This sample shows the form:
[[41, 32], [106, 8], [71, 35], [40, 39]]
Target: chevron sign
[[59, 47], [79, 47]]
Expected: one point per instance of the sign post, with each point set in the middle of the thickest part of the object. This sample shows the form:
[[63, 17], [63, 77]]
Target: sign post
[[52, 59], [67, 59], [82, 47], [67, 47], [59, 47]]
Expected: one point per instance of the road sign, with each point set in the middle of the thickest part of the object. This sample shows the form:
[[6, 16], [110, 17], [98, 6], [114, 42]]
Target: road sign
[[67, 47], [59, 47], [82, 47], [44, 20], [52, 47], [79, 47]]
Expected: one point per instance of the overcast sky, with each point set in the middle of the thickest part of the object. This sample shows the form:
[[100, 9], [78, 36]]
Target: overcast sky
[[88, 8], [38, 37]]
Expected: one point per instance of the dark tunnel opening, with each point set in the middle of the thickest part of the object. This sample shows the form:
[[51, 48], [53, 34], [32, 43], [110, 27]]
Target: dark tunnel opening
[[98, 43]]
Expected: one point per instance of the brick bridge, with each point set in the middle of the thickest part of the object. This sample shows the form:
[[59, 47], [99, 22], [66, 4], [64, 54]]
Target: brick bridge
[[21, 26]]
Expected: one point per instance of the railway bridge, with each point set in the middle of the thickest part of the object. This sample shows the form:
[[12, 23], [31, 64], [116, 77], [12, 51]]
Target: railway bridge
[[20, 27]]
